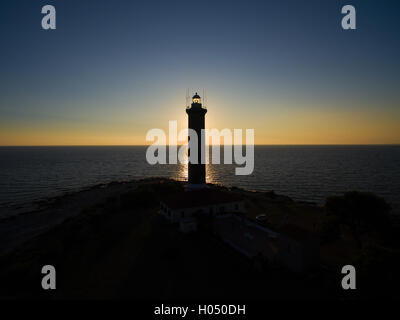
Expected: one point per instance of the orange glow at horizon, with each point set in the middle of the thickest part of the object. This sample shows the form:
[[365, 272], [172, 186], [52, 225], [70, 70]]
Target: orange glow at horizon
[[278, 125]]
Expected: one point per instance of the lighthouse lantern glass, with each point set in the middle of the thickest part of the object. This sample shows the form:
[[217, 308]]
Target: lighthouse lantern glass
[[196, 100]]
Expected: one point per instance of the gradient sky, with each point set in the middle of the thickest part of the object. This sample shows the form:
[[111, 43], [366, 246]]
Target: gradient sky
[[114, 69]]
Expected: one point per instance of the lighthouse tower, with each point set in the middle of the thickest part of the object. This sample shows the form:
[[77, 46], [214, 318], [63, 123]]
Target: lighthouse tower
[[197, 169]]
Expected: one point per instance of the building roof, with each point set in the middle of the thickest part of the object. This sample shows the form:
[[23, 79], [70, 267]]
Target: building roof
[[246, 236], [295, 232], [199, 198]]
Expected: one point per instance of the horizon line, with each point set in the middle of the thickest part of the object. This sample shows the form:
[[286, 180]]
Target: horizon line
[[258, 144]]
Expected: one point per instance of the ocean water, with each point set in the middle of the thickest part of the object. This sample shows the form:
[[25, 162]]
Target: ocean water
[[309, 173]]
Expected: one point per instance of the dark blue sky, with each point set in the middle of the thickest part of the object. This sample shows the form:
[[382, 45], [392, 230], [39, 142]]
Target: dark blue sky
[[110, 61]]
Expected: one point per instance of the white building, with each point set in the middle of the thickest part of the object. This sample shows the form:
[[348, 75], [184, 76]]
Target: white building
[[246, 236], [185, 207], [292, 247]]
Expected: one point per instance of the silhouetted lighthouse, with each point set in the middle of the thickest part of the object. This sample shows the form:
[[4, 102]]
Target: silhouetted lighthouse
[[197, 170]]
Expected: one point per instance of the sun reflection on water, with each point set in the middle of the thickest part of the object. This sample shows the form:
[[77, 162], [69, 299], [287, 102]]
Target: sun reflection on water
[[182, 172]]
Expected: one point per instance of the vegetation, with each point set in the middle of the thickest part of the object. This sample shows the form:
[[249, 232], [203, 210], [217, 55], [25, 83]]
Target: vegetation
[[330, 230], [361, 212], [377, 270], [106, 251]]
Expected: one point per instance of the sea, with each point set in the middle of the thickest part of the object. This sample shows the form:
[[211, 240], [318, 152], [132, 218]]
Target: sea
[[308, 173]]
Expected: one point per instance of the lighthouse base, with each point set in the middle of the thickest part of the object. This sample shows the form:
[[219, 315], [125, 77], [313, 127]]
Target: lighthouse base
[[194, 187]]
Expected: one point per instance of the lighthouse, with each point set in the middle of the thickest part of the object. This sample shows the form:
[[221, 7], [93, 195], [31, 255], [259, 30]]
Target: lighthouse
[[196, 121]]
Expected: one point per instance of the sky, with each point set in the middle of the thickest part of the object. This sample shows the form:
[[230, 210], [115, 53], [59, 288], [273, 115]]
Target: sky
[[112, 70]]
